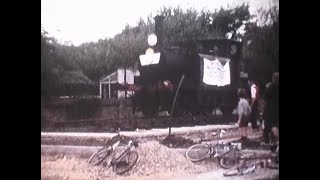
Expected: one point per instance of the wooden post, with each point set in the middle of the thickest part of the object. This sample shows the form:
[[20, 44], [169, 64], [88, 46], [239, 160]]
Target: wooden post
[[174, 101], [100, 85], [125, 82], [109, 86]]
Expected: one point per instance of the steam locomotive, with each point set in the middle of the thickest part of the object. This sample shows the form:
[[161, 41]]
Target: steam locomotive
[[180, 74]]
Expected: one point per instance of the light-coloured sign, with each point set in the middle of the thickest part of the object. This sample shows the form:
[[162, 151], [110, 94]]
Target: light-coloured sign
[[129, 76], [148, 59]]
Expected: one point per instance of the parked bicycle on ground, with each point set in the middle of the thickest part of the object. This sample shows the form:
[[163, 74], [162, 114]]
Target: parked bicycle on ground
[[249, 164], [120, 163], [234, 157], [199, 152]]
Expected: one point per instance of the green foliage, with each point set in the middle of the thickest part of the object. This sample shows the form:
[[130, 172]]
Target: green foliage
[[58, 70], [180, 25], [50, 66], [261, 44]]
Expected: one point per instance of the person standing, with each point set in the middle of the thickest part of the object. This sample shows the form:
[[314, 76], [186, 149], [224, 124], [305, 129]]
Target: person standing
[[255, 95], [271, 111], [243, 114]]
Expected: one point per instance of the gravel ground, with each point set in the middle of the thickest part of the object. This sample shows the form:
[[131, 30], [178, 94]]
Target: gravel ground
[[155, 161], [258, 174]]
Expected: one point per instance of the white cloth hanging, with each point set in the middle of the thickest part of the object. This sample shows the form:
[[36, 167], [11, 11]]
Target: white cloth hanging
[[226, 80], [214, 73]]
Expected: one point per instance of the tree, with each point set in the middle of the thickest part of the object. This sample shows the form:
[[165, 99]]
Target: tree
[[57, 61], [190, 25], [261, 44], [50, 70]]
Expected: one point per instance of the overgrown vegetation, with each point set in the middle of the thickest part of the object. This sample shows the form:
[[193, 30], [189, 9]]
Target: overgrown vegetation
[[69, 70]]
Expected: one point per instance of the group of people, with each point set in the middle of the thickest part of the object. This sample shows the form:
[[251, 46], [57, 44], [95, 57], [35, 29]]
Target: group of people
[[248, 111]]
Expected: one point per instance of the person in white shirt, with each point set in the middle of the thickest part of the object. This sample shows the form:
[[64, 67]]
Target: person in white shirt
[[244, 112]]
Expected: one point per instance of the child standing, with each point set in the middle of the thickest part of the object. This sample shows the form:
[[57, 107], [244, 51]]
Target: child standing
[[244, 111]]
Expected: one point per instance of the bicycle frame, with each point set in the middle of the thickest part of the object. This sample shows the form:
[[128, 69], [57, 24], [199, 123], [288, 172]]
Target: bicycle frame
[[215, 149], [262, 161], [216, 152], [233, 147], [115, 160], [246, 164], [114, 147]]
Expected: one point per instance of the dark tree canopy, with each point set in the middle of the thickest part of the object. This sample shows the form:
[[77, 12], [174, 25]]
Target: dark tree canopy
[[94, 60]]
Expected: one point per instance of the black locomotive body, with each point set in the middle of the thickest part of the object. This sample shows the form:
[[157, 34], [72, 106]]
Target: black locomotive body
[[160, 81]]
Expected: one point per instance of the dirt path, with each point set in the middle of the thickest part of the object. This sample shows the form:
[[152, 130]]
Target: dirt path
[[155, 162], [217, 174]]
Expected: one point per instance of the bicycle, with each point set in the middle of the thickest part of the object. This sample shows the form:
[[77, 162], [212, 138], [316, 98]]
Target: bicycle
[[234, 158], [264, 160], [199, 152], [241, 170], [122, 163], [231, 158], [245, 167]]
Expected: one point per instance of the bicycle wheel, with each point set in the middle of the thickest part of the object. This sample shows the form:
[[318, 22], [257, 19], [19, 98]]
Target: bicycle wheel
[[198, 152], [99, 156], [231, 159], [232, 172], [273, 166], [240, 170], [125, 163], [248, 169]]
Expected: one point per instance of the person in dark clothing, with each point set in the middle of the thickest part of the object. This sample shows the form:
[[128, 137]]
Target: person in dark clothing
[[271, 111], [254, 94]]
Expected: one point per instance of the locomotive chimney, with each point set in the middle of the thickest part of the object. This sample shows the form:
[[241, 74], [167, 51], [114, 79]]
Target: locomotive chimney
[[159, 30]]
